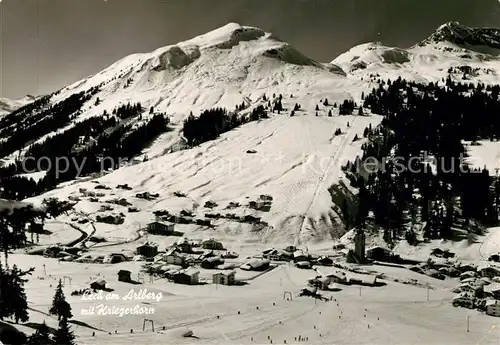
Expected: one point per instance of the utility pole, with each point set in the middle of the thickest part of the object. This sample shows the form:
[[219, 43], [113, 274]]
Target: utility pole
[[468, 329], [428, 293], [360, 291], [44, 270]]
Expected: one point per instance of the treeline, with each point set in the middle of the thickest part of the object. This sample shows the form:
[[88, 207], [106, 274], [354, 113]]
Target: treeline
[[213, 122], [423, 122]]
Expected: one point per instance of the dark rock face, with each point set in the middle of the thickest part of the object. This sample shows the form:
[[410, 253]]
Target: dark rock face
[[459, 34]]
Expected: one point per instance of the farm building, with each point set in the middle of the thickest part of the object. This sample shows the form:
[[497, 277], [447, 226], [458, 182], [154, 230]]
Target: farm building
[[493, 308], [124, 276], [212, 262], [148, 250], [256, 265], [189, 276], [212, 244], [114, 258], [224, 278], [160, 228], [99, 284], [184, 246]]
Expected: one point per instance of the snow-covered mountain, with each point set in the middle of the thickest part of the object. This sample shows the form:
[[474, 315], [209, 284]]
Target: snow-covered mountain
[[8, 105], [450, 46], [296, 160]]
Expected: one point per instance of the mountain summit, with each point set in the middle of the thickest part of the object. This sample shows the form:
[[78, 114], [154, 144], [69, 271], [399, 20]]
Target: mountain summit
[[462, 35]]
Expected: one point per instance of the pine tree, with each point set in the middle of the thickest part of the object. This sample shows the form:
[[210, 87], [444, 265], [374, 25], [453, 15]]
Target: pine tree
[[60, 307], [41, 336], [17, 296], [317, 107], [325, 103], [64, 335]]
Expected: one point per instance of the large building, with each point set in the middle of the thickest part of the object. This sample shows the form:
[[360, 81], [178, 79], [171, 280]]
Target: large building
[[160, 228]]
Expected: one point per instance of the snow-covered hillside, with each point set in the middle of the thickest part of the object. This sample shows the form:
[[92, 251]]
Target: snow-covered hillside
[[9, 105]]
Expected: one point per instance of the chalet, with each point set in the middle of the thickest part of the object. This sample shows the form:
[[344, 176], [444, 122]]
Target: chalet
[[256, 265], [212, 262], [184, 246], [489, 272], [471, 289], [463, 299], [124, 276], [99, 284], [212, 244], [493, 308], [224, 278], [173, 257], [148, 250], [160, 228], [189, 276]]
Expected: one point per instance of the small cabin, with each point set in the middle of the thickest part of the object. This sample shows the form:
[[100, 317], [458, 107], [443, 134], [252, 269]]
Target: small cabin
[[124, 276]]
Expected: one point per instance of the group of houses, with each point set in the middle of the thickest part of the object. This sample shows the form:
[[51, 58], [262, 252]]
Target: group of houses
[[178, 263], [479, 288], [327, 280]]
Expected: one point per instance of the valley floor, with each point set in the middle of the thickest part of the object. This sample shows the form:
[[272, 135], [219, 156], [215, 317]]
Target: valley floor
[[392, 314]]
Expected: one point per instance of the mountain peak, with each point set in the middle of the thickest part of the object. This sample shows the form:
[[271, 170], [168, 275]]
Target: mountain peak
[[459, 34]]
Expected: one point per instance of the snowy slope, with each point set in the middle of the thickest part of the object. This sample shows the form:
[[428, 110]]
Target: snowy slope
[[9, 105]]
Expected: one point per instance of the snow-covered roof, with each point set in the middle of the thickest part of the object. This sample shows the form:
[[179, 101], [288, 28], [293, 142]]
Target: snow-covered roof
[[190, 271], [99, 282], [225, 273]]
